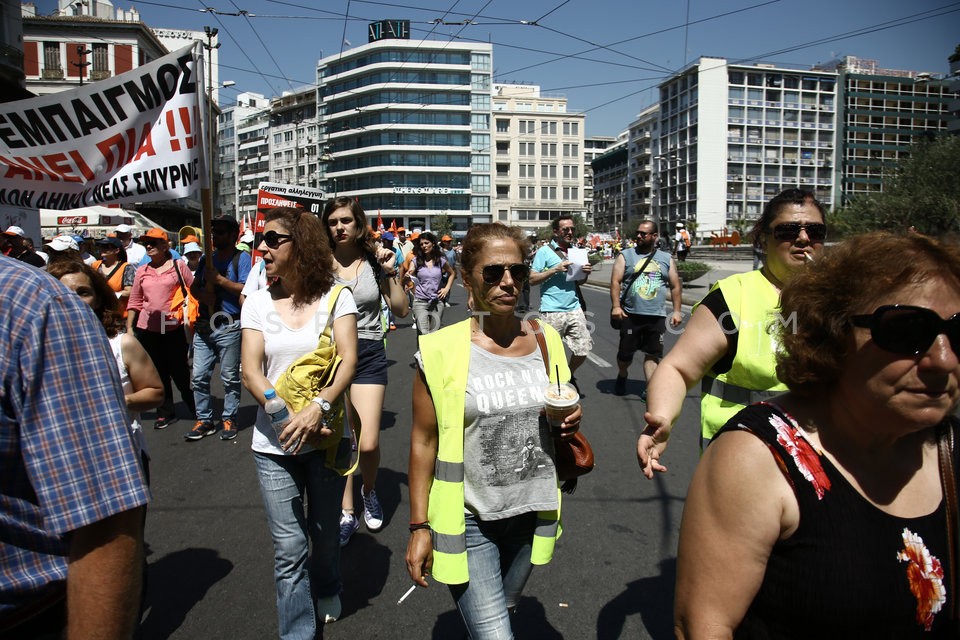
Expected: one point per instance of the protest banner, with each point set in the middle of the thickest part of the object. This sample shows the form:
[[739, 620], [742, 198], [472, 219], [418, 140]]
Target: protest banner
[[273, 194], [136, 137]]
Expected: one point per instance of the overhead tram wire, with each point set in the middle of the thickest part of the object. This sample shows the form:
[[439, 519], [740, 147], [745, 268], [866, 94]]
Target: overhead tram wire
[[242, 50], [551, 11], [264, 45], [560, 57]]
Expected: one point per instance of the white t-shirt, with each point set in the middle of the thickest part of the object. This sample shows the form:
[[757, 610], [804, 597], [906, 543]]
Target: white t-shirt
[[282, 346], [256, 280]]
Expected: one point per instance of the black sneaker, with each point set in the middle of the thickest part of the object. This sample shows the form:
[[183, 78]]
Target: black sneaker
[[620, 386], [200, 431], [229, 430], [163, 423]]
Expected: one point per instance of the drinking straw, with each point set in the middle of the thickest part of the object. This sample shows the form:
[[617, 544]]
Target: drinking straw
[[559, 391]]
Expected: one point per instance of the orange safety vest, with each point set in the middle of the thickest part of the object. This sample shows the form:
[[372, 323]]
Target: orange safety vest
[[116, 283]]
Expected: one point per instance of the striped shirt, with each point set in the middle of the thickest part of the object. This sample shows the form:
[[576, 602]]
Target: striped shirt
[[66, 451]]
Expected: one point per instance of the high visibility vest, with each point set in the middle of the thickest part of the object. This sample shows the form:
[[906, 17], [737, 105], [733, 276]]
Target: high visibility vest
[[116, 283], [446, 357], [754, 304]]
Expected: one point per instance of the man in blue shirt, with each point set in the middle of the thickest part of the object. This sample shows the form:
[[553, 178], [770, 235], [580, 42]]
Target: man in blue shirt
[[72, 491], [559, 302], [217, 334]]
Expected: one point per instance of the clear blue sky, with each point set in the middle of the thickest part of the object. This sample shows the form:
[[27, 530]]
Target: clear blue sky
[[605, 56]]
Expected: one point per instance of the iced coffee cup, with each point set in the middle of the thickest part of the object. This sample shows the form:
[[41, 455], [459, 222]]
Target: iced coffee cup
[[559, 402]]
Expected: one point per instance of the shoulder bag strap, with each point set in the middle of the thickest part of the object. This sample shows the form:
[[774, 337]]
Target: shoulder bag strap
[[331, 303], [119, 266], [542, 343], [633, 276], [948, 480], [183, 284]]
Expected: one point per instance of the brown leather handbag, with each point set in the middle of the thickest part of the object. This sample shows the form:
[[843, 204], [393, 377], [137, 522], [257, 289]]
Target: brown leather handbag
[[574, 457]]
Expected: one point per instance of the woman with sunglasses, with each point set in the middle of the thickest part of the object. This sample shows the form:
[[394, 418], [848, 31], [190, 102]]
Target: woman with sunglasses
[[371, 274], [726, 343], [428, 266], [300, 493], [149, 318], [820, 514], [476, 524]]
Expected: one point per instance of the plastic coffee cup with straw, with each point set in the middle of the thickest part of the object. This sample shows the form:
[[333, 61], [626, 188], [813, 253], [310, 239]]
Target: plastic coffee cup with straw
[[560, 399]]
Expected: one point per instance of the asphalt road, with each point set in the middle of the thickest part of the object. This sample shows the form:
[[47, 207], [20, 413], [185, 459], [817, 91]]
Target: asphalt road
[[613, 574]]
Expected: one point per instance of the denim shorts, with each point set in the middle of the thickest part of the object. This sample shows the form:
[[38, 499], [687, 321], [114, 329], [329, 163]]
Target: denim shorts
[[371, 362]]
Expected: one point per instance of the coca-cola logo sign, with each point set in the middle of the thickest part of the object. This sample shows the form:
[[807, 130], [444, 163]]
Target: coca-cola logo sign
[[72, 220]]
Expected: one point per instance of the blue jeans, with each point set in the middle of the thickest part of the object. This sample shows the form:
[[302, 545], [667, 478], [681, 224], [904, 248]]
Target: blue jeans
[[498, 560], [224, 345], [301, 580]]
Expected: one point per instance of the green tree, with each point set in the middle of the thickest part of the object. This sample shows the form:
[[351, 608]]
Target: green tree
[[441, 225], [922, 191]]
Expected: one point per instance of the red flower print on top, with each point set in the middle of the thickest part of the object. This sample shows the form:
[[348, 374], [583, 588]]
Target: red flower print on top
[[803, 454], [925, 574]]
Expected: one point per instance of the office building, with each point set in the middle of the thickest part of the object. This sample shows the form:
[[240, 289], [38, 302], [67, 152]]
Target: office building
[[293, 138], [252, 152], [539, 157], [404, 126], [731, 136], [228, 186], [611, 186], [593, 146], [642, 153]]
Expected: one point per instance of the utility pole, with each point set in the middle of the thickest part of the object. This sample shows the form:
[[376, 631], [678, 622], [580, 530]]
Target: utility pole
[[83, 64], [206, 215]]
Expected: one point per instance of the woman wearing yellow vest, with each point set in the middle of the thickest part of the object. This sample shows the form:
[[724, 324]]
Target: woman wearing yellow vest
[[477, 522], [728, 344]]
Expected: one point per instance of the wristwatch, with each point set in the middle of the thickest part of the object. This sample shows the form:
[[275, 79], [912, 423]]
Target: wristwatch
[[323, 404]]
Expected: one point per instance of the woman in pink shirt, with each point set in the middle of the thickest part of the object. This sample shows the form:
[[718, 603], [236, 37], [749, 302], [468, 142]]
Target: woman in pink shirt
[[150, 319]]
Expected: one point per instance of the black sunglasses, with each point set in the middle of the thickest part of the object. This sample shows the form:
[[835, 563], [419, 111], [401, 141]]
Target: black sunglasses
[[908, 330], [493, 273], [273, 239], [149, 243], [644, 234], [790, 231]]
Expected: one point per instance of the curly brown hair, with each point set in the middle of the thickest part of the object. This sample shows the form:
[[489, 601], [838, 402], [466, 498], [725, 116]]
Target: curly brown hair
[[364, 237], [854, 277], [106, 308], [313, 274], [477, 237]]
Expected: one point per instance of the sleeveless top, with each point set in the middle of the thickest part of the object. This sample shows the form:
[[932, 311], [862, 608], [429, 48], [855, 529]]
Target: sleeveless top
[[135, 426], [648, 291], [850, 570], [366, 293]]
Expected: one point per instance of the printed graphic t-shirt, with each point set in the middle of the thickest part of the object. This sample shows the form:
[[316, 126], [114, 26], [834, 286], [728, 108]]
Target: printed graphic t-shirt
[[508, 453]]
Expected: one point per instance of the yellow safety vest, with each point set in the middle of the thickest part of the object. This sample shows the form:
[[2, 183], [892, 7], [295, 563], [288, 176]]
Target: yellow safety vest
[[446, 357], [754, 304]]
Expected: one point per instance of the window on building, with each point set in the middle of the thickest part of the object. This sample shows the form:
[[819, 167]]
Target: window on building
[[480, 183], [276, 138], [480, 142], [528, 192], [528, 148], [480, 121], [288, 155], [571, 193], [480, 61], [571, 150], [571, 172], [288, 136], [548, 171], [527, 126], [51, 56], [503, 126], [101, 58], [480, 163], [480, 102], [548, 127], [548, 193], [278, 157], [526, 171], [571, 128], [548, 149], [479, 81]]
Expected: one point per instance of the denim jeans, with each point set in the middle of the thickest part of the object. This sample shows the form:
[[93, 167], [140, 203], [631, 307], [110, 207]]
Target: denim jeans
[[428, 314], [498, 560], [294, 527], [224, 345]]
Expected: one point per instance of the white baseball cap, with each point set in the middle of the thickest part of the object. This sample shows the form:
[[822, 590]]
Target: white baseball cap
[[124, 228], [63, 242], [14, 230], [191, 247], [679, 225]]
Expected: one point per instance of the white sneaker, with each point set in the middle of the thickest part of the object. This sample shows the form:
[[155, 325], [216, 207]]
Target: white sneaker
[[348, 526], [329, 608], [372, 511]]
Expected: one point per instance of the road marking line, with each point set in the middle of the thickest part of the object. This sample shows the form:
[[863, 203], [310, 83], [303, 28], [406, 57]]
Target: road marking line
[[597, 360]]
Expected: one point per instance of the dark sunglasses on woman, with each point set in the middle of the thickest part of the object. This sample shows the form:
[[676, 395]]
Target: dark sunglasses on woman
[[273, 239], [790, 231], [908, 330], [493, 273]]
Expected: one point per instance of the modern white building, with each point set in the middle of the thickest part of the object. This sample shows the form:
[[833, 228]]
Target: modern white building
[[253, 156], [228, 186], [611, 171], [732, 136], [293, 138], [404, 126], [593, 147], [642, 151], [539, 157]]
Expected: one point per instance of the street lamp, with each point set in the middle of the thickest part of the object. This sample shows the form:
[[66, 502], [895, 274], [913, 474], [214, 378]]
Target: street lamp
[[83, 64]]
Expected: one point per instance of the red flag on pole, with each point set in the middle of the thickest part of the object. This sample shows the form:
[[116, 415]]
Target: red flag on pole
[[380, 227], [393, 226]]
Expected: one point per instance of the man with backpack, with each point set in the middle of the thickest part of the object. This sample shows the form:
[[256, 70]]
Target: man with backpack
[[217, 330]]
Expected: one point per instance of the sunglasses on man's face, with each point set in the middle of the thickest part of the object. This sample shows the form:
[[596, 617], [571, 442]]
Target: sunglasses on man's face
[[273, 239], [908, 330], [644, 234], [790, 231], [493, 273], [149, 243]]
